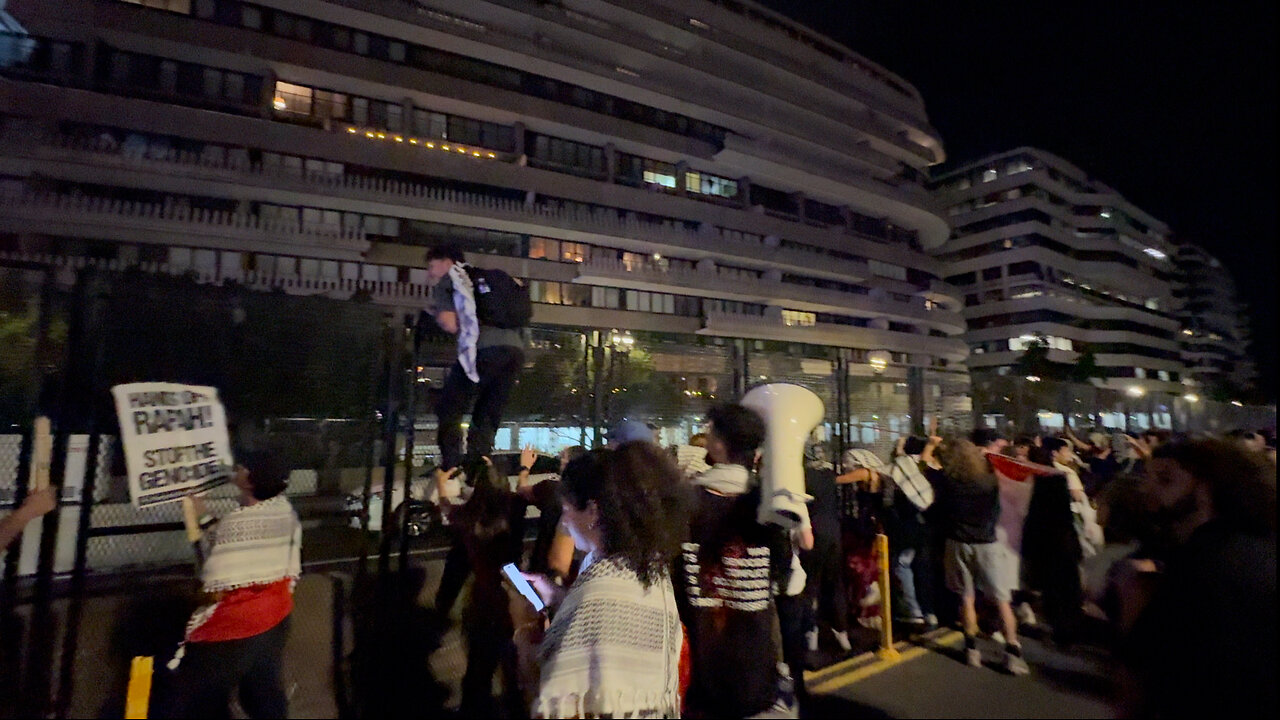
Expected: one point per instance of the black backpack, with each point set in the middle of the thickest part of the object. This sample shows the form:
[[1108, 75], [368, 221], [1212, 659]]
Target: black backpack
[[501, 302]]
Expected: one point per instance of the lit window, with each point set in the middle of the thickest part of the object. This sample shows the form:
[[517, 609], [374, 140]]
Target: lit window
[[573, 252], [989, 175], [1163, 375], [797, 318], [544, 249], [292, 99]]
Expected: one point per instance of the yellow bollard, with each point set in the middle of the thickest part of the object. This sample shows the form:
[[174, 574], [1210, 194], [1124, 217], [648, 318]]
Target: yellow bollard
[[138, 698], [886, 652]]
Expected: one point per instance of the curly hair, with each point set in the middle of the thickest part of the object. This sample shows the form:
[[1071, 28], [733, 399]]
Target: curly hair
[[962, 460], [638, 494]]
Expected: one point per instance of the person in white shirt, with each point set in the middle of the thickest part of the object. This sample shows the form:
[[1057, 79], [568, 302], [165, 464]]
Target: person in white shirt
[[1086, 518]]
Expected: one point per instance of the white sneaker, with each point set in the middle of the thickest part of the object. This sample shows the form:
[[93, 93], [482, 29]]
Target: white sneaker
[[931, 620], [998, 637], [811, 638], [872, 596], [842, 639], [973, 657], [1026, 616], [1016, 665]]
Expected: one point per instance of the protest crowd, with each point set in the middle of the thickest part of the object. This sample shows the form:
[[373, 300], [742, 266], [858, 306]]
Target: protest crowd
[[702, 580]]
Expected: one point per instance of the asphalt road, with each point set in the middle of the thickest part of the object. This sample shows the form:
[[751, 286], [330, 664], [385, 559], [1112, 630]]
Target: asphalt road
[[933, 681]]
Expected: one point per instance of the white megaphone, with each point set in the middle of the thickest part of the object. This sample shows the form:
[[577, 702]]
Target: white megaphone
[[790, 413]]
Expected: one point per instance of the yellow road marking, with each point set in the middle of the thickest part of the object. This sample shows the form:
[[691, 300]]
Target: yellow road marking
[[138, 698], [844, 679], [941, 635]]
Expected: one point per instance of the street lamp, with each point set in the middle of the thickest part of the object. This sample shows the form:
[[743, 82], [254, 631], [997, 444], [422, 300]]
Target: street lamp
[[1191, 398], [1136, 391], [878, 360], [1033, 378]]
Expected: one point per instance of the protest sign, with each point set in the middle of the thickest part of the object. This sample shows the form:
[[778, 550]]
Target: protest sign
[[175, 440]]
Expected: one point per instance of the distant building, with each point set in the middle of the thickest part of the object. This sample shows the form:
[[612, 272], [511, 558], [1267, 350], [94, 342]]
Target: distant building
[[1215, 327], [1040, 249]]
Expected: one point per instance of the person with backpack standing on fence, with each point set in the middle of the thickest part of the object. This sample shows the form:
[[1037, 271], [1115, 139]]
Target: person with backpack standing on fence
[[487, 310]]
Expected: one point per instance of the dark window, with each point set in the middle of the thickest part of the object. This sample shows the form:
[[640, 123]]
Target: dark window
[[1025, 268], [991, 273]]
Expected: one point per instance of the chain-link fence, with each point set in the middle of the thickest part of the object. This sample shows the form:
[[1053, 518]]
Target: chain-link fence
[[305, 377]]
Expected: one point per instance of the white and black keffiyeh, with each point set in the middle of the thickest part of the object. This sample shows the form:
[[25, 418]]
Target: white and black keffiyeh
[[464, 304], [613, 649], [252, 545], [910, 482]]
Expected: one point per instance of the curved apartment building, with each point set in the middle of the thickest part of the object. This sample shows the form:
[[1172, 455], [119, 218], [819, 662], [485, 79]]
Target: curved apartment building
[[1039, 249], [1215, 326], [704, 173]]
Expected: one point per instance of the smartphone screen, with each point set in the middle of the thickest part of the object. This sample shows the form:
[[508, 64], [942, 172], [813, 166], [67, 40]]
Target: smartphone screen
[[513, 574]]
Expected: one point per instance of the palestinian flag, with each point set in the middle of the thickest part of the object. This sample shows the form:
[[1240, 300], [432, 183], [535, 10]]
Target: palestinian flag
[[1017, 480]]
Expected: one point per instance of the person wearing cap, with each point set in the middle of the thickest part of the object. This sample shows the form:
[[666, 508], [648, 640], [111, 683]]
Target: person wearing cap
[[236, 639]]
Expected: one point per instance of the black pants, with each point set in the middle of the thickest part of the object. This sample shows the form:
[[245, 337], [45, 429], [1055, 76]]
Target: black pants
[[488, 649], [456, 569], [792, 613], [824, 586], [210, 671], [497, 367]]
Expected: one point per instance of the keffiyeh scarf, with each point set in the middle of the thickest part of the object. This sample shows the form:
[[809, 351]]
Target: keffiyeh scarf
[[464, 303], [613, 649], [726, 479], [254, 545], [257, 544]]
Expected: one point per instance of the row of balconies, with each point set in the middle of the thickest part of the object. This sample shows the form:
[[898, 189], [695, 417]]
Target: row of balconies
[[170, 224], [582, 224], [769, 289]]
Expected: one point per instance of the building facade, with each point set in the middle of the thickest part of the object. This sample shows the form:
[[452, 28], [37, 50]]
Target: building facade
[[1045, 255], [734, 194], [1215, 327]]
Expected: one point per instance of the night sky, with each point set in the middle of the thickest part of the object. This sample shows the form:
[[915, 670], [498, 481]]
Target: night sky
[[1172, 105]]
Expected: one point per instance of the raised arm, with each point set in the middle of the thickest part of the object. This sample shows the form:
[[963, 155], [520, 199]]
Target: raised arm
[[37, 503], [929, 457]]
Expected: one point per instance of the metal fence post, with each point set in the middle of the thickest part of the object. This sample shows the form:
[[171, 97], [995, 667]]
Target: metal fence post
[[71, 640]]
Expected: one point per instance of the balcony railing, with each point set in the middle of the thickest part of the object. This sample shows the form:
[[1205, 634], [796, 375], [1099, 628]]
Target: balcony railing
[[400, 294], [771, 291], [229, 167], [173, 220]]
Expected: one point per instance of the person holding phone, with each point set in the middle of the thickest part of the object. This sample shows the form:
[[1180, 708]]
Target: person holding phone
[[613, 645]]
